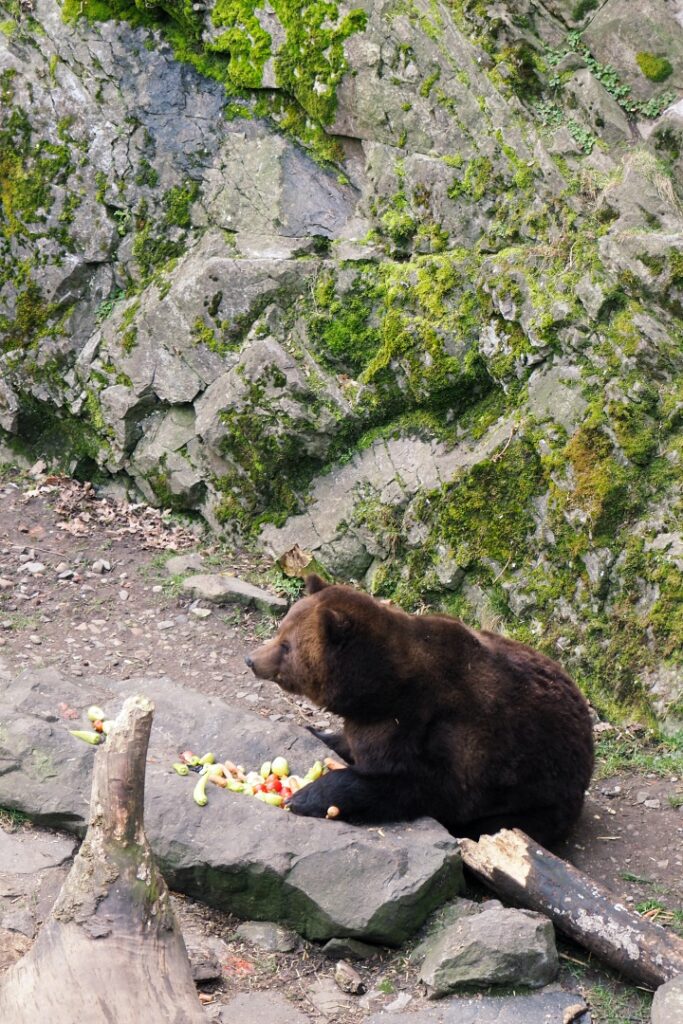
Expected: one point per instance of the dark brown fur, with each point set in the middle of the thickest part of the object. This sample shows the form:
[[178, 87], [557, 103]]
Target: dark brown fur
[[479, 731]]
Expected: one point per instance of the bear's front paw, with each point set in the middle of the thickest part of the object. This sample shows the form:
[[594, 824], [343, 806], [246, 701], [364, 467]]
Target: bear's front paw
[[311, 801]]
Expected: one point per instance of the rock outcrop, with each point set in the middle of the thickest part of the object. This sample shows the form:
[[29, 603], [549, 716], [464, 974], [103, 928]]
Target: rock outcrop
[[400, 283]]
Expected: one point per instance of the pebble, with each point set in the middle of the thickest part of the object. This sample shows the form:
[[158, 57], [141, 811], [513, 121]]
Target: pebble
[[166, 624], [200, 613], [35, 568], [348, 979], [5, 584], [655, 804], [101, 566], [35, 639], [6, 624], [123, 595]]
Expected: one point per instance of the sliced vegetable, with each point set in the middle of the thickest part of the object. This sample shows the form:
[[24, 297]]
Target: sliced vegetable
[[314, 772], [279, 767], [269, 798], [181, 769], [86, 736], [199, 793], [264, 770], [95, 713]]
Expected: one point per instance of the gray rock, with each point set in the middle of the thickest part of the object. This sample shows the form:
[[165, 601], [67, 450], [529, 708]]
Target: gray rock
[[601, 111], [229, 590], [540, 1008], [555, 393], [495, 947], [9, 408], [204, 964], [348, 949], [323, 879], [20, 920], [328, 998], [348, 979], [267, 935], [667, 1005], [181, 565]]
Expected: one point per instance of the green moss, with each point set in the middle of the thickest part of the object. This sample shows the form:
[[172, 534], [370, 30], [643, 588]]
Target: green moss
[[429, 82], [600, 483], [33, 319], [657, 69], [342, 327], [475, 181], [247, 44], [486, 514]]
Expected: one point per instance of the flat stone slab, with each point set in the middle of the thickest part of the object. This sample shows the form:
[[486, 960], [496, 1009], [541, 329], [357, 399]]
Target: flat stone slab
[[541, 1008], [221, 590], [325, 879], [33, 866]]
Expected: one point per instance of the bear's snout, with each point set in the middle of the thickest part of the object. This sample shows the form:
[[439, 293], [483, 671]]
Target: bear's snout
[[265, 661]]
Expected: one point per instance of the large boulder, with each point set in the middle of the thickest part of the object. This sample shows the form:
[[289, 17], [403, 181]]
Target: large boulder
[[324, 879]]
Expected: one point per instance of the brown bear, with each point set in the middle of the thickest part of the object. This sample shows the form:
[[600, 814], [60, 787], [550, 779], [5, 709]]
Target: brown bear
[[476, 730]]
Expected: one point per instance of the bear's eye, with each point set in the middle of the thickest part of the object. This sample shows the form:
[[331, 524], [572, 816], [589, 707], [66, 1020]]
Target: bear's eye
[[284, 647]]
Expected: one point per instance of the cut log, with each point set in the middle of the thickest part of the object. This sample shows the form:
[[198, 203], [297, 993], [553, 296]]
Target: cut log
[[111, 949], [521, 870]]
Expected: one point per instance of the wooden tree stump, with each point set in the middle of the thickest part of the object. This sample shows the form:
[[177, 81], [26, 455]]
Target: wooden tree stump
[[521, 870], [111, 949]]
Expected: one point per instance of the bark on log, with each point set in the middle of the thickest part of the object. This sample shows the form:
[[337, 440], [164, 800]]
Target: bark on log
[[111, 950], [513, 865]]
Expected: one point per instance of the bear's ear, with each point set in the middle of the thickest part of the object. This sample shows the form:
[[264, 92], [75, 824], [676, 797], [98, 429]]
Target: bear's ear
[[315, 583], [337, 625]]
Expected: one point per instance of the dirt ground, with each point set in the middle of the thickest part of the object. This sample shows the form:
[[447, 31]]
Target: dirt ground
[[129, 616]]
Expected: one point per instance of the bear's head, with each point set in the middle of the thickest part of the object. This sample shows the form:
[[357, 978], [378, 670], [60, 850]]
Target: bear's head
[[333, 648]]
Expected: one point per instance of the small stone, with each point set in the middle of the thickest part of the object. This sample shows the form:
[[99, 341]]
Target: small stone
[[348, 979], [5, 584], [157, 588], [205, 966], [654, 804], [348, 949], [166, 624], [35, 568], [200, 613], [38, 468], [6, 624], [100, 566], [35, 639], [67, 574], [268, 935], [123, 595], [181, 565]]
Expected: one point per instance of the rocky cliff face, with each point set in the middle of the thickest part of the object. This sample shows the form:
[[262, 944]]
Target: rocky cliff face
[[400, 282]]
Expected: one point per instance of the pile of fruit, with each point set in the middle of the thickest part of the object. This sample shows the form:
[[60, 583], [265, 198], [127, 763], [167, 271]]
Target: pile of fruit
[[100, 727], [271, 784]]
